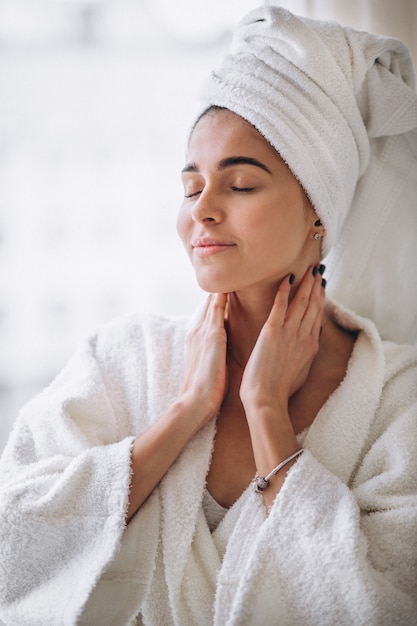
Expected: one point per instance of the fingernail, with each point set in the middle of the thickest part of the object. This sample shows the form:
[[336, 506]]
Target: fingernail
[[292, 279], [323, 282], [315, 270], [322, 268]]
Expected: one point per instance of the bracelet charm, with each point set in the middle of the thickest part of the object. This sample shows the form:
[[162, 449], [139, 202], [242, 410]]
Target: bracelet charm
[[260, 484]]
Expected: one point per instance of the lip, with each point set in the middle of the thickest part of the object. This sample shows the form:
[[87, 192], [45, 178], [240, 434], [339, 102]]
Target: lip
[[206, 246]]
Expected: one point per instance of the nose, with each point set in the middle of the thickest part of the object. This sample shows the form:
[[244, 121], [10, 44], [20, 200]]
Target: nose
[[207, 208]]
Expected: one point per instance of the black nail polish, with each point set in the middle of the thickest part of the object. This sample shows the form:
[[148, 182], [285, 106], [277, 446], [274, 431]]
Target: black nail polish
[[315, 270], [322, 268], [291, 279], [323, 282]]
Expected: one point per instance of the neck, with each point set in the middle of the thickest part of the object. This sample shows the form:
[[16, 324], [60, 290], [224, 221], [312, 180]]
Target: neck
[[246, 314]]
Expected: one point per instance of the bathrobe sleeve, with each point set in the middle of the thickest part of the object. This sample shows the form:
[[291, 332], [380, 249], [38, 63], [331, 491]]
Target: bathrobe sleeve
[[65, 477], [330, 552]]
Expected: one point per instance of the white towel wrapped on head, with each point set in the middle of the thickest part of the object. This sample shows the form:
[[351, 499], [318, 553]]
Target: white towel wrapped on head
[[339, 106]]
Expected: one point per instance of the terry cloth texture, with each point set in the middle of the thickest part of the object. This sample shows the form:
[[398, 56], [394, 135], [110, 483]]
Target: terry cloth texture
[[340, 107], [338, 547]]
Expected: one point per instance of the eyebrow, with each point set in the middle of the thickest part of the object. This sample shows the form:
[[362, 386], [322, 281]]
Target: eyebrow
[[231, 162]]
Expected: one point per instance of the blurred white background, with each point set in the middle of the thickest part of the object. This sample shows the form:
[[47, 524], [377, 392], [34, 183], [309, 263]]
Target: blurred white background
[[96, 99]]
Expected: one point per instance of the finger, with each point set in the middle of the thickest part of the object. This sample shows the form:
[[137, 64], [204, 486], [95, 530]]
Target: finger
[[314, 309], [317, 323], [317, 326], [300, 302], [217, 309], [280, 306]]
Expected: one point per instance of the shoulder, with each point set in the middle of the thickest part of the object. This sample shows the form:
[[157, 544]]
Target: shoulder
[[139, 332], [399, 359], [390, 367], [128, 347], [399, 393], [395, 358], [394, 426], [130, 326]]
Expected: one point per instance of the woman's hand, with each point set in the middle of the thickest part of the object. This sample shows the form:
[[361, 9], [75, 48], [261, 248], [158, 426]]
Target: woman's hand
[[200, 399], [206, 374], [285, 349]]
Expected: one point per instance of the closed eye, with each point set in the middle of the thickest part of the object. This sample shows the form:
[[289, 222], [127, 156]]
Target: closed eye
[[233, 188]]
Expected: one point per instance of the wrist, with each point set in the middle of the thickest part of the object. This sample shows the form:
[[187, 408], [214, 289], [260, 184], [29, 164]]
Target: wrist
[[272, 435], [261, 483], [193, 411], [262, 412]]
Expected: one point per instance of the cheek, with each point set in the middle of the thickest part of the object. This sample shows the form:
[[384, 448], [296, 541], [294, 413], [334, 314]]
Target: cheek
[[278, 228], [182, 222], [264, 224]]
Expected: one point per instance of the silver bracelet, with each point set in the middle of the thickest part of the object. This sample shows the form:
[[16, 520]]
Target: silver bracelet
[[259, 484]]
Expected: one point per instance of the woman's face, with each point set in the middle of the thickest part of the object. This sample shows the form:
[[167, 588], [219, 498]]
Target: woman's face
[[245, 220]]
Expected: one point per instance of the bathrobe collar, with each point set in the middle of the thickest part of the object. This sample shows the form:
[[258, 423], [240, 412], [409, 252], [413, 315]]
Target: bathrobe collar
[[338, 435]]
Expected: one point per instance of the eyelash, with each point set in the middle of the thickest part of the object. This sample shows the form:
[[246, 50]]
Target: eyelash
[[238, 189]]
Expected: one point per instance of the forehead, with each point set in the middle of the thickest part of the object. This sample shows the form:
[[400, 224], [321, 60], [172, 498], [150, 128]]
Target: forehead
[[221, 132]]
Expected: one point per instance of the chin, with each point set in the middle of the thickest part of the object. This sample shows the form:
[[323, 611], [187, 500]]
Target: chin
[[213, 287], [215, 284]]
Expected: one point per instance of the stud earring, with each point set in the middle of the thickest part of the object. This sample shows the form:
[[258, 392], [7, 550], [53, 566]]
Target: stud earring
[[316, 236]]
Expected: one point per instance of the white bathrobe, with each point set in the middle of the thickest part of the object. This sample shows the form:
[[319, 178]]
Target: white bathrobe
[[338, 547]]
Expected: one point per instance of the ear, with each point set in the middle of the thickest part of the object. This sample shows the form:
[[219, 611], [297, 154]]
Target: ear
[[318, 230]]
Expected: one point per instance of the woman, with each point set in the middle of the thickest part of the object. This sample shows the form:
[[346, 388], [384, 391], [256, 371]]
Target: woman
[[267, 473]]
